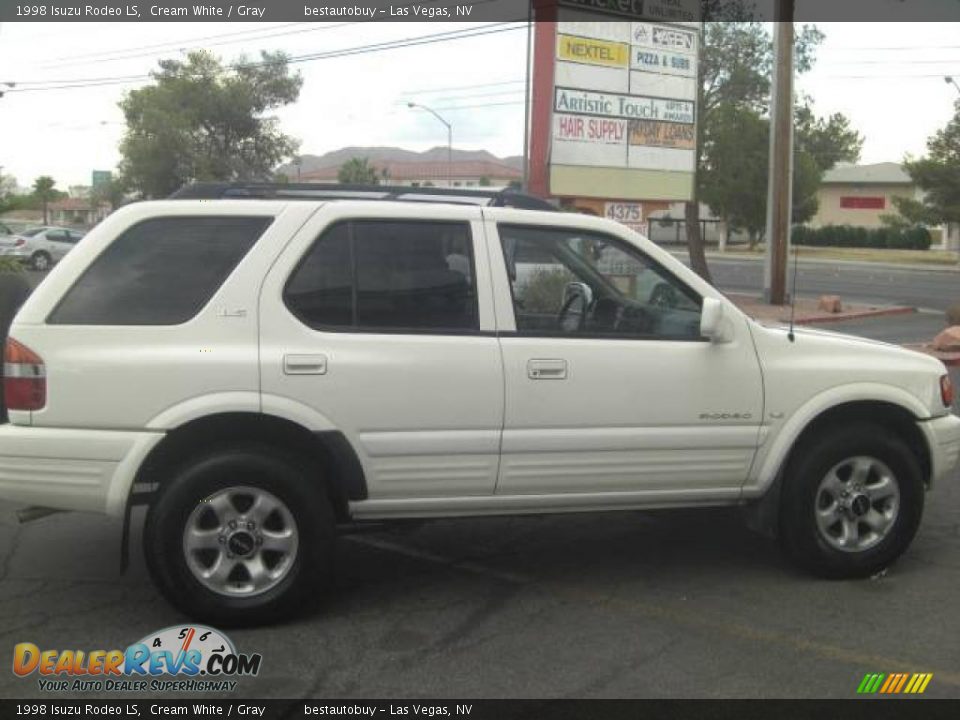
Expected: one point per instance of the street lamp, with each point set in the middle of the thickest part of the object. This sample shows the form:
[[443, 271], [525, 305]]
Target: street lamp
[[414, 105], [950, 81]]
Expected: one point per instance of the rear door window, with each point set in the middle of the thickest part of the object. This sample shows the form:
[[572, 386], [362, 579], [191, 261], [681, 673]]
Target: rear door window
[[160, 271], [388, 276]]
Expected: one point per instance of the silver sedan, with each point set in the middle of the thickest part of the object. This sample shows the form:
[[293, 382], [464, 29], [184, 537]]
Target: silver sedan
[[40, 247]]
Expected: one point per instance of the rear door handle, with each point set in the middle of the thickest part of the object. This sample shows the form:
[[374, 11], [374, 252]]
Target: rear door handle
[[304, 364], [547, 369]]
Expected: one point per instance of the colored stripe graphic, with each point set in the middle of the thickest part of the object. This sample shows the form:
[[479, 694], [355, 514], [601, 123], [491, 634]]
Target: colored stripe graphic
[[903, 679], [870, 683], [895, 683]]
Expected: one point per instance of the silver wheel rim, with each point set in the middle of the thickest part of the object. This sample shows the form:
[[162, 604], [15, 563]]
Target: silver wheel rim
[[857, 504], [240, 541], [40, 262]]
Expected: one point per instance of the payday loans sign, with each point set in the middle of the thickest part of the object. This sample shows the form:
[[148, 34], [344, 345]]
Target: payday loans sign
[[615, 99]]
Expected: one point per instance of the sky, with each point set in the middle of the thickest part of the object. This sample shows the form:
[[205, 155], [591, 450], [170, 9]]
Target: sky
[[886, 77]]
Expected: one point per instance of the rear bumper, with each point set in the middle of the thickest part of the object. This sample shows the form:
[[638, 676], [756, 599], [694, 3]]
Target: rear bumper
[[943, 438], [90, 470]]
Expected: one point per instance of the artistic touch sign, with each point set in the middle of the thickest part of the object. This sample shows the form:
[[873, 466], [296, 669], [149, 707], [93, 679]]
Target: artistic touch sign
[[621, 113], [625, 106]]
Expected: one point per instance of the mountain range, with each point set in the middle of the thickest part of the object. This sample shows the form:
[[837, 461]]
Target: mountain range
[[336, 158]]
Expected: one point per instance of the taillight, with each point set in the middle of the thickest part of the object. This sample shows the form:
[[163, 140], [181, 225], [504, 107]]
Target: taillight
[[24, 377], [946, 391], [20, 242]]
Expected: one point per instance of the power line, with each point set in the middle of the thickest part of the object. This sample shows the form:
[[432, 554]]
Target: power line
[[470, 96], [891, 49], [939, 76], [193, 43], [431, 91], [464, 34], [454, 108], [182, 47], [173, 44], [896, 62]]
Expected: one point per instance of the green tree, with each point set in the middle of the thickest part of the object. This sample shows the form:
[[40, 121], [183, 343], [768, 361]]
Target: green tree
[[484, 181], [358, 171], [44, 190], [740, 151], [735, 70], [8, 186], [938, 175], [827, 140], [201, 120], [112, 192]]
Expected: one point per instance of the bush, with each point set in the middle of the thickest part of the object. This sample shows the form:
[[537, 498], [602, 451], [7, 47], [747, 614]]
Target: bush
[[10, 265], [543, 293], [912, 237]]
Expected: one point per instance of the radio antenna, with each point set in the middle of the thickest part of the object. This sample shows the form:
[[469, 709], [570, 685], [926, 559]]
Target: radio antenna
[[793, 292]]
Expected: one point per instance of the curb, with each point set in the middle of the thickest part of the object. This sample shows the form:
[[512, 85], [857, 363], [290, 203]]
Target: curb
[[880, 312], [867, 264]]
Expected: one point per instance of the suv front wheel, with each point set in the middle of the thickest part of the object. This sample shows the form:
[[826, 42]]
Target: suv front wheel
[[852, 501], [241, 536]]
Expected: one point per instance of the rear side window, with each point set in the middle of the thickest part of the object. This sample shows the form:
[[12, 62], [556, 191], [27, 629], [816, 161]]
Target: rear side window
[[389, 276], [159, 272]]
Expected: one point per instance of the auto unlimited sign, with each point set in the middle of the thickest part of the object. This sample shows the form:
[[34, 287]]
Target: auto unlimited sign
[[631, 107]]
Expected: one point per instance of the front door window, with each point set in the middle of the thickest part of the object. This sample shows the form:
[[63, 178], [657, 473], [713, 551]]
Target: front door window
[[567, 282]]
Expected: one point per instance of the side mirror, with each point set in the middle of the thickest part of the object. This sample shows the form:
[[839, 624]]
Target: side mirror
[[713, 324]]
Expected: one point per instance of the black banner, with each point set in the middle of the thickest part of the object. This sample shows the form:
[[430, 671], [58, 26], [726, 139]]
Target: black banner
[[874, 709], [466, 10]]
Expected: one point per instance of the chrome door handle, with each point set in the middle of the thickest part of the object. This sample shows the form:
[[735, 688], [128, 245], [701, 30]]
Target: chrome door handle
[[304, 364], [547, 369]]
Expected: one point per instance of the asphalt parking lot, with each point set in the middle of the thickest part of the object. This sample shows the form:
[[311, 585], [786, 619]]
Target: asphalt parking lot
[[667, 604]]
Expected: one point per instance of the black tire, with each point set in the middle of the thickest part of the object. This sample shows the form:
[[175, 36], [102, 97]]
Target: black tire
[[292, 480], [801, 538], [40, 261]]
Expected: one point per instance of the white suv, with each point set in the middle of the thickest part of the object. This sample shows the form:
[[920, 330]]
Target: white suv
[[259, 371]]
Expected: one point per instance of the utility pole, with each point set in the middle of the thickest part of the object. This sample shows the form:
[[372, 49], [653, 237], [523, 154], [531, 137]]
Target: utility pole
[[780, 183], [526, 100]]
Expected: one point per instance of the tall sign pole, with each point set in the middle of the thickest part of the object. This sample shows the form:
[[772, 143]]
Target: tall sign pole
[[780, 183]]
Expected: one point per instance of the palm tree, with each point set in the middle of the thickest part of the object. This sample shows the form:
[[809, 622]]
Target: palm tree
[[358, 171], [43, 190]]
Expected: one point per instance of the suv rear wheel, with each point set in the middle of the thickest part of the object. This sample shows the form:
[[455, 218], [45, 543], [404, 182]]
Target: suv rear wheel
[[852, 501], [241, 536]]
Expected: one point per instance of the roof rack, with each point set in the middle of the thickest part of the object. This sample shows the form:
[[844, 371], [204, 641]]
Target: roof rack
[[506, 197]]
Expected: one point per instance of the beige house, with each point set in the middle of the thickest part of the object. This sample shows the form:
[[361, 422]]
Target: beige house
[[77, 212], [459, 173], [861, 194]]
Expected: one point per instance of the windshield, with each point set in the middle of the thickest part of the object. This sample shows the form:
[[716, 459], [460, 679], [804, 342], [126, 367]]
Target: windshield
[[32, 231]]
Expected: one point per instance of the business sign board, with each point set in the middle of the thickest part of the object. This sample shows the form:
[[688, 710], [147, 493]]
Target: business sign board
[[99, 178], [593, 52], [615, 99], [664, 10]]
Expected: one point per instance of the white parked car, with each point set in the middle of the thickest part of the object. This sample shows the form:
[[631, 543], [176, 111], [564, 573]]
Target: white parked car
[[259, 370], [40, 247]]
